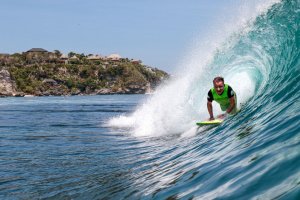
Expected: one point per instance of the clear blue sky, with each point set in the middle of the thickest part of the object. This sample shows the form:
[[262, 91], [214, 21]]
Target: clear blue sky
[[156, 31]]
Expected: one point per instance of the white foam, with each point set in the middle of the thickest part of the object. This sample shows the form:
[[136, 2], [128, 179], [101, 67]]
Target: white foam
[[243, 85], [122, 122]]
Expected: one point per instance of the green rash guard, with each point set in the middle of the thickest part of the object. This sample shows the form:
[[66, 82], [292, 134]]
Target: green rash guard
[[223, 99]]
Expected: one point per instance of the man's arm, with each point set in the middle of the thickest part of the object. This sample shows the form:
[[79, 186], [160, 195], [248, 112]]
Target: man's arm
[[210, 98], [210, 110], [232, 105]]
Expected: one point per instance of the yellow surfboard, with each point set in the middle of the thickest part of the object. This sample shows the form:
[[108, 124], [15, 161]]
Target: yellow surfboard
[[211, 122]]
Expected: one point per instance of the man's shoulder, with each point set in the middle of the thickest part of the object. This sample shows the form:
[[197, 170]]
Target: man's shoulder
[[230, 91], [210, 96], [228, 86]]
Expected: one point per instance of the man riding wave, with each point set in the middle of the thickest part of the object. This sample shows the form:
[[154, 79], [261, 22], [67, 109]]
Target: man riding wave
[[224, 95]]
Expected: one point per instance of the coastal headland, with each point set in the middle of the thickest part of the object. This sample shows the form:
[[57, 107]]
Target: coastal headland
[[38, 72]]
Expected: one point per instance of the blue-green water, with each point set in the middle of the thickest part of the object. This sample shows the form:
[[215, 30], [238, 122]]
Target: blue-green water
[[61, 148], [71, 148]]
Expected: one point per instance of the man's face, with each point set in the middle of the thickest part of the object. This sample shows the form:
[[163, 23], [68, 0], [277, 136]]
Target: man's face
[[219, 87]]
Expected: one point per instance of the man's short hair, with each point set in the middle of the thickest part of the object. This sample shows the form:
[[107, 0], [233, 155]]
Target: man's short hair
[[218, 79]]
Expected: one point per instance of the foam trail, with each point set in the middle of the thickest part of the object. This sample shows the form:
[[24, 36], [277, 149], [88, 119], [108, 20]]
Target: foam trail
[[179, 103]]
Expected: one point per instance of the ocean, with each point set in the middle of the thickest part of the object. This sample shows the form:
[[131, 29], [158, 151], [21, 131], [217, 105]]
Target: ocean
[[148, 146]]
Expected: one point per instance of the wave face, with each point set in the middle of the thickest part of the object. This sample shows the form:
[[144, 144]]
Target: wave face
[[252, 154]]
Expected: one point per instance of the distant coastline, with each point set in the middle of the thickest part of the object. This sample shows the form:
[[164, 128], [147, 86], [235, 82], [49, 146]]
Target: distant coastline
[[38, 72]]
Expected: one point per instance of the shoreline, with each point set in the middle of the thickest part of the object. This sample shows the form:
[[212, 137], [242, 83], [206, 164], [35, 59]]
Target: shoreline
[[92, 94]]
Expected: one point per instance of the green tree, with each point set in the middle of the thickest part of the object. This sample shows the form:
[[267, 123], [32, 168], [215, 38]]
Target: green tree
[[70, 83], [80, 56], [71, 54], [57, 53]]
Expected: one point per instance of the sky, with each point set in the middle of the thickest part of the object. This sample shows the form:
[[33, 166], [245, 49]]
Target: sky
[[158, 32]]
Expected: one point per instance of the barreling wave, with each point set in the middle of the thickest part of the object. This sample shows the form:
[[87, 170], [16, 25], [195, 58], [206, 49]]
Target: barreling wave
[[255, 54], [253, 154]]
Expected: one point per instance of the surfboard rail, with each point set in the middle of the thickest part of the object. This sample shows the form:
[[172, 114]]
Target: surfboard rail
[[210, 122]]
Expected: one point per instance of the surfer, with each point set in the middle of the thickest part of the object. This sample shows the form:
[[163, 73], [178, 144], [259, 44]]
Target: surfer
[[224, 95]]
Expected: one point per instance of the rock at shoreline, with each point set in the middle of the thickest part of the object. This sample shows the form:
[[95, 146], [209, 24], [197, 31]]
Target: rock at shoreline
[[7, 85]]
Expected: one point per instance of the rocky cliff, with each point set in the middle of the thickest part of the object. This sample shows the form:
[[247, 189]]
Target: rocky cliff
[[79, 79], [7, 85]]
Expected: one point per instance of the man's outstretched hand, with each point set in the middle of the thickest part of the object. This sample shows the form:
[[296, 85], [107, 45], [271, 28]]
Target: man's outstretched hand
[[222, 116]]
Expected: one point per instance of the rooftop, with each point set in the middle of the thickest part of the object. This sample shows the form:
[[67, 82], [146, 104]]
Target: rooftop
[[37, 50]]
